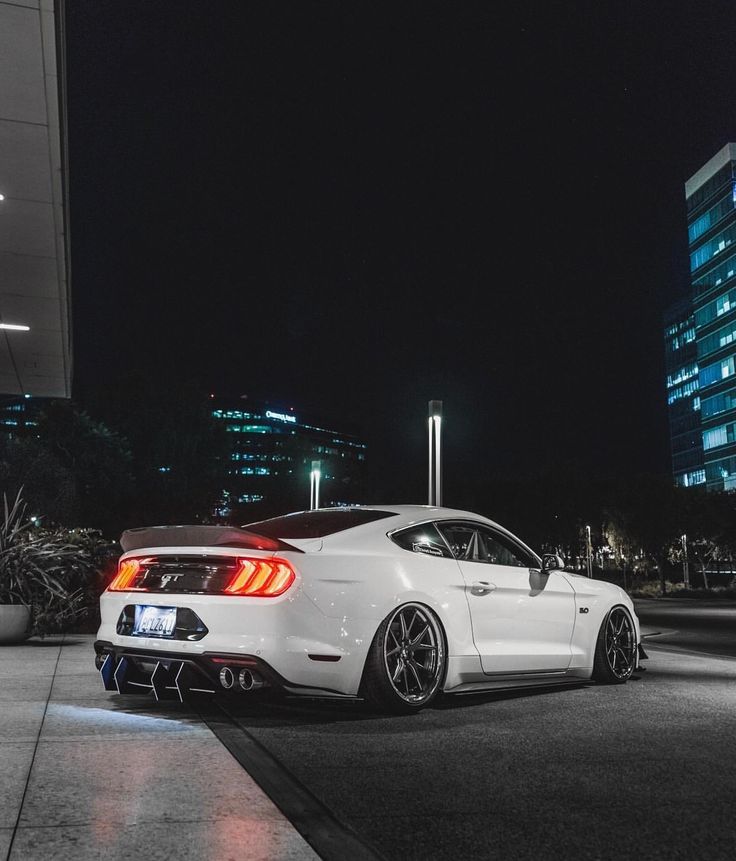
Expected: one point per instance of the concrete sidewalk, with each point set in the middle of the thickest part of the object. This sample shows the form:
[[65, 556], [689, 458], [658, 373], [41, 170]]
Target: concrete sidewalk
[[87, 774]]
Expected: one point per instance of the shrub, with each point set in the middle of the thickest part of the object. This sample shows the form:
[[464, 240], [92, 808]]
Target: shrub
[[54, 572]]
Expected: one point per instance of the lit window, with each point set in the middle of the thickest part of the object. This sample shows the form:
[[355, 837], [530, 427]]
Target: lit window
[[722, 435], [689, 479], [717, 371], [682, 374], [250, 497]]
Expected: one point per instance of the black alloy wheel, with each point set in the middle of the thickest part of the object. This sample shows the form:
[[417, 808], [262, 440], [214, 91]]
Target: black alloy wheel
[[407, 661], [616, 648]]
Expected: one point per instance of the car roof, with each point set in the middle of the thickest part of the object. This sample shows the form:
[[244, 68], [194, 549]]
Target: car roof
[[420, 513], [400, 516], [408, 515]]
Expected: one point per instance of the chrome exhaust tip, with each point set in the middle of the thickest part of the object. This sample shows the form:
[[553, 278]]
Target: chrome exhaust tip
[[227, 678], [250, 681]]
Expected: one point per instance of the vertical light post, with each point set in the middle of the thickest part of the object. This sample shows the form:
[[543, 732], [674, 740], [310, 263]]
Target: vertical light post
[[434, 423], [685, 562], [314, 477], [589, 552]]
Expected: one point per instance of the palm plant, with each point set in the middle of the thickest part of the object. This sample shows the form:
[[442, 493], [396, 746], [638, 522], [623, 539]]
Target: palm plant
[[40, 569]]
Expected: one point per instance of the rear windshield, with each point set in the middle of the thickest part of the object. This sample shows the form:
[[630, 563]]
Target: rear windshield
[[316, 524]]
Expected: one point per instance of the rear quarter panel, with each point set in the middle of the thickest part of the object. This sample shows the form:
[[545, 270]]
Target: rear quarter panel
[[361, 585]]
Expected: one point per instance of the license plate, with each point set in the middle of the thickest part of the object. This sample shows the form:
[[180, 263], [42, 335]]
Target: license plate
[[154, 621]]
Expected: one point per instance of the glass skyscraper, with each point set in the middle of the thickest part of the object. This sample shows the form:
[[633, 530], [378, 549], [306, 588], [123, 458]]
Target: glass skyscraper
[[700, 334], [683, 399]]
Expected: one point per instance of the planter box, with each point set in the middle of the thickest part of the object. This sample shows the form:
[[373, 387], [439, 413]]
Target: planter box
[[15, 623]]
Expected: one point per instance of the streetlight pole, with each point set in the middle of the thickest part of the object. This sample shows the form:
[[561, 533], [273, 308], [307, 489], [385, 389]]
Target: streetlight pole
[[434, 423], [589, 552], [314, 477]]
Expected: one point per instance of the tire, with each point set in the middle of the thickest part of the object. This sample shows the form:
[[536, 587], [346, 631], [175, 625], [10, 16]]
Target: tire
[[407, 661], [616, 648]]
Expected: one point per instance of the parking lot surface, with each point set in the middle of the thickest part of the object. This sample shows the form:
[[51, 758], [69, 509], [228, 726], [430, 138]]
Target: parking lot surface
[[643, 770]]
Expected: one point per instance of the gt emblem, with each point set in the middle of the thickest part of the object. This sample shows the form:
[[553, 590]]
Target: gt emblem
[[583, 609]]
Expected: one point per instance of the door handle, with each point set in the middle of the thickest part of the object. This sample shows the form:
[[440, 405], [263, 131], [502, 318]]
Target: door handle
[[482, 587]]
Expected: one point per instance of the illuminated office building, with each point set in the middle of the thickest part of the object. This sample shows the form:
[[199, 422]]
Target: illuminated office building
[[272, 454], [683, 398], [703, 379]]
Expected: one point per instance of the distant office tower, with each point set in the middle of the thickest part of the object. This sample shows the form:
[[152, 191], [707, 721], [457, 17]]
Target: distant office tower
[[272, 452], [705, 381], [683, 400]]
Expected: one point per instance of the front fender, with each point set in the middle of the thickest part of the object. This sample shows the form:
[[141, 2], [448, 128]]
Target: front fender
[[593, 600]]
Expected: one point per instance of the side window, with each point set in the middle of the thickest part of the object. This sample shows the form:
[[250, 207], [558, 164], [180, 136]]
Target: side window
[[424, 539], [499, 550], [462, 539], [476, 543]]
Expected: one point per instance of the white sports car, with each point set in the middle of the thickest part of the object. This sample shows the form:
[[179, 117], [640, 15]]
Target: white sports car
[[392, 604]]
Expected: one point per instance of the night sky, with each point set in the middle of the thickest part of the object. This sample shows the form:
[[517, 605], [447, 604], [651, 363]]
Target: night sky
[[352, 208]]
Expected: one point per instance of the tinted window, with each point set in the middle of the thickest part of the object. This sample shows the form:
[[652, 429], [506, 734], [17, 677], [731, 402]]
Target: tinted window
[[316, 524], [500, 550], [460, 537], [423, 539], [476, 543]]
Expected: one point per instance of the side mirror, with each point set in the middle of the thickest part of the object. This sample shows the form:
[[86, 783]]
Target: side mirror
[[552, 562]]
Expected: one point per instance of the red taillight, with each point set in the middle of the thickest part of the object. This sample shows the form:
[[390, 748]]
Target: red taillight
[[261, 578], [127, 572]]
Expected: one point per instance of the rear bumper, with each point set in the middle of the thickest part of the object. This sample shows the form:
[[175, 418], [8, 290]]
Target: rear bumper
[[178, 675], [284, 633]]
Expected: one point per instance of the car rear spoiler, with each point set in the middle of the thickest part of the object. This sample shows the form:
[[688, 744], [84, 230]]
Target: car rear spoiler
[[199, 536]]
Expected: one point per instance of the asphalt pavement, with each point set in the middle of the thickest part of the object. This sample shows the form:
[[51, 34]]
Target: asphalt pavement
[[646, 770], [694, 624]]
